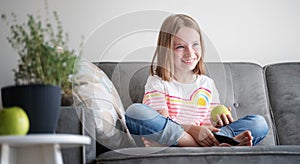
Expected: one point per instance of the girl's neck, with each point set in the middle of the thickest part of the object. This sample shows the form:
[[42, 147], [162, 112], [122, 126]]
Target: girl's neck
[[185, 78]]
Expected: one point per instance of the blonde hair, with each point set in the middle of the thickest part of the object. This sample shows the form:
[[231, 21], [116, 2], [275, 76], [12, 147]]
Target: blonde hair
[[164, 67]]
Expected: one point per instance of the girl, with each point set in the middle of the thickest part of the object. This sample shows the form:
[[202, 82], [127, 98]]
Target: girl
[[179, 97]]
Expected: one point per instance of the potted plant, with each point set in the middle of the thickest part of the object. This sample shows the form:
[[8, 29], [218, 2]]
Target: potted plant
[[43, 73]]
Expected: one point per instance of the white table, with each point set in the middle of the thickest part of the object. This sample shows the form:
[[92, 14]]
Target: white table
[[38, 148]]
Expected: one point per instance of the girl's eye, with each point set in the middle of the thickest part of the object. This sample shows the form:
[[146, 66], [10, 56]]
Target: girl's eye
[[179, 47], [196, 44]]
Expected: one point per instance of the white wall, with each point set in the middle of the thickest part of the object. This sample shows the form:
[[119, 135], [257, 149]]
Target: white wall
[[263, 32]]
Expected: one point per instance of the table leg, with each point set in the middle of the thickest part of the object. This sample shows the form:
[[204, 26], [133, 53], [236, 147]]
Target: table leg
[[53, 151], [46, 154], [8, 154]]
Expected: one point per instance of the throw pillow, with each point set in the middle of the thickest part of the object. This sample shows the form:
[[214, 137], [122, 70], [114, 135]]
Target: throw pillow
[[96, 91]]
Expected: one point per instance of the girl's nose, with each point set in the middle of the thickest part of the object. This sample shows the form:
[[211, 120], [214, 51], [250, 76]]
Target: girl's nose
[[189, 51]]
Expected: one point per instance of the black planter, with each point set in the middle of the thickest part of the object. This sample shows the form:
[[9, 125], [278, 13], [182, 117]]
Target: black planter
[[41, 103]]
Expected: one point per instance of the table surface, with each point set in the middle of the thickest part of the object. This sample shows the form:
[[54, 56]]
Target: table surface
[[65, 140]]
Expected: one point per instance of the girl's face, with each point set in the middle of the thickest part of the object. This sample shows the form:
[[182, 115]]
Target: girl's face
[[186, 49]]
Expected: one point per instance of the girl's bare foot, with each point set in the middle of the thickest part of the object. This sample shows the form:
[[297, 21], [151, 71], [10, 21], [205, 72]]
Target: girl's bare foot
[[245, 138], [150, 143]]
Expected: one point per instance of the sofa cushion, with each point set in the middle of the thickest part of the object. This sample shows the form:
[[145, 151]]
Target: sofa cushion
[[95, 90], [203, 155], [283, 84]]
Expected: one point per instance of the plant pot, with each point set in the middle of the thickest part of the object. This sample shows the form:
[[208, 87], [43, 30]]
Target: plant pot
[[41, 103]]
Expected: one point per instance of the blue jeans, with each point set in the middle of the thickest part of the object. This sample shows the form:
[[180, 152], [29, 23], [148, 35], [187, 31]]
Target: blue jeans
[[142, 120]]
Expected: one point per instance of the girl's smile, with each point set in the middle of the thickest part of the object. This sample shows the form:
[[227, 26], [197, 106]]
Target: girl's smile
[[189, 61]]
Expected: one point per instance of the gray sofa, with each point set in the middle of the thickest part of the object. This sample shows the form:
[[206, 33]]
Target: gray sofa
[[272, 91]]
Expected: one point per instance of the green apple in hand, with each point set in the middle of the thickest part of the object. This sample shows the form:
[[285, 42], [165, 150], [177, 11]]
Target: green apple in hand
[[218, 110], [13, 121]]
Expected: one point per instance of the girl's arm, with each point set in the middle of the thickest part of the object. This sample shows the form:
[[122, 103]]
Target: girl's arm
[[222, 119], [165, 113], [202, 134]]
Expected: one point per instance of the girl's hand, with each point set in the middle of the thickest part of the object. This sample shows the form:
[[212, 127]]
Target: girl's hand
[[203, 135], [223, 120]]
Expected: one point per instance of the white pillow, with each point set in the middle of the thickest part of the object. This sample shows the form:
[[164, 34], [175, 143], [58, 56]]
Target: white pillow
[[96, 91]]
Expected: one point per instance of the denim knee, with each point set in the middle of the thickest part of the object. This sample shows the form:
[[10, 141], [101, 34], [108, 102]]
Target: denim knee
[[142, 120], [259, 124], [141, 112], [259, 128]]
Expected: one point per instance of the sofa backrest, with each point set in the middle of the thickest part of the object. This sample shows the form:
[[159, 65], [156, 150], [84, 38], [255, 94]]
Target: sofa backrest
[[283, 85], [241, 86]]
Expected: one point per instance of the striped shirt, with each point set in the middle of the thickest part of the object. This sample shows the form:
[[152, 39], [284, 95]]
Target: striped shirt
[[186, 103]]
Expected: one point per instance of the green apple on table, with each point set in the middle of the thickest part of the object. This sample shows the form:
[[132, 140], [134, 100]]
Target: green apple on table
[[219, 110], [13, 121]]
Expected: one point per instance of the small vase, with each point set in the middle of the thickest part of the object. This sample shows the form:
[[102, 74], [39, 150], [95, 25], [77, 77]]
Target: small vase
[[41, 103]]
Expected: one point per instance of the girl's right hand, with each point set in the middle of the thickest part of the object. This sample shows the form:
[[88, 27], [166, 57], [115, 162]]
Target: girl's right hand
[[203, 135], [223, 120]]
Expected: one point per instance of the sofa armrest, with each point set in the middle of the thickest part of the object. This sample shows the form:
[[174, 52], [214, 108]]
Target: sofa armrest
[[73, 120]]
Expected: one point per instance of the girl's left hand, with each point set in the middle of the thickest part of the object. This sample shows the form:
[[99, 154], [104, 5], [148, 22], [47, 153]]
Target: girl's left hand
[[223, 120]]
